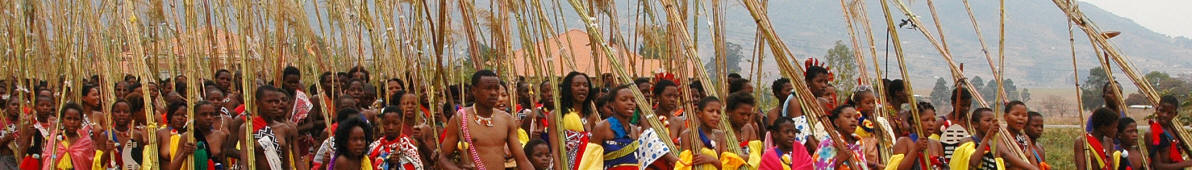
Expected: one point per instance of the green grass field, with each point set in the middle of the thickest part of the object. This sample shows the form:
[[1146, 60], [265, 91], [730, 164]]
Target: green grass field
[[1058, 143]]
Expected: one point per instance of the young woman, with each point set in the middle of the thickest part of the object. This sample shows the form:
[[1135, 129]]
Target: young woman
[[414, 127], [741, 114], [8, 134], [578, 117], [786, 153], [352, 143], [73, 146], [356, 90], [1016, 117], [667, 108], [869, 126], [1034, 130], [394, 85], [503, 99], [972, 151], [91, 104], [909, 150], [209, 136], [711, 138], [33, 136], [395, 141], [126, 139], [325, 155], [536, 121], [1097, 149], [831, 155], [1127, 137], [173, 149], [976, 151], [616, 135], [954, 126]]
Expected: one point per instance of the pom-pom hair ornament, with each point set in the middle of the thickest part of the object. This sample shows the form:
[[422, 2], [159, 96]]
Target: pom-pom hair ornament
[[665, 76], [815, 62]]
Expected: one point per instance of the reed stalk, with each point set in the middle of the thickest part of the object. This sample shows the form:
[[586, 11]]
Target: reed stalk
[[1096, 36], [781, 52], [623, 75]]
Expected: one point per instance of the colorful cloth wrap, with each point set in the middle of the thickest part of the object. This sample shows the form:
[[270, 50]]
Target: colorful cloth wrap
[[577, 138], [1162, 139], [264, 136], [962, 155], [78, 155], [650, 149], [402, 151], [619, 150], [825, 156]]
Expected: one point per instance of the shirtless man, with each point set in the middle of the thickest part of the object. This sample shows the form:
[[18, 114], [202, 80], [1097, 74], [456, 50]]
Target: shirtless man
[[497, 127], [279, 133]]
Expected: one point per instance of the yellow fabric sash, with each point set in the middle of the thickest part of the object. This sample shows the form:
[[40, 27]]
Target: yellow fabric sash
[[593, 157], [572, 121], [894, 161], [755, 153], [729, 160], [366, 164], [64, 162]]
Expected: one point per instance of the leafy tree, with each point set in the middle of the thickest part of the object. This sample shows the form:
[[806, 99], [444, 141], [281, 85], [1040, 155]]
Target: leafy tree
[[940, 93], [1166, 85], [1137, 99], [843, 64], [978, 83], [1090, 90], [1024, 95], [654, 42], [1011, 90], [732, 60], [989, 92]]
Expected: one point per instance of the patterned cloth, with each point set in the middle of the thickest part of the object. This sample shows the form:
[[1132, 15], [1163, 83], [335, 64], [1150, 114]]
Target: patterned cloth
[[302, 106], [268, 141], [76, 155], [650, 148], [577, 137], [825, 156], [576, 143], [399, 153], [802, 129], [619, 151]]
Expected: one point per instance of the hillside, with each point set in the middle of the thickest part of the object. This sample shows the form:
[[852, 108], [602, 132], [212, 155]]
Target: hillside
[[1037, 47]]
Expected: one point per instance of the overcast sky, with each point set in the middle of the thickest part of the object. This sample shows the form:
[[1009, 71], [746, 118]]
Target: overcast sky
[[1163, 16]]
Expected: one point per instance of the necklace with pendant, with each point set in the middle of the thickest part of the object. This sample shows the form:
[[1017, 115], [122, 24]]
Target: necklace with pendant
[[486, 121]]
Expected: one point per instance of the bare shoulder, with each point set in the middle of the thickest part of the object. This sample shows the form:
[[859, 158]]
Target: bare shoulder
[[602, 130], [685, 132], [163, 132], [903, 140], [501, 114], [340, 160], [602, 124]]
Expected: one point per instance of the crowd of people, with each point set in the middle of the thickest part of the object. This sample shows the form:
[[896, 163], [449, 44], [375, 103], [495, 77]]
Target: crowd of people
[[340, 122]]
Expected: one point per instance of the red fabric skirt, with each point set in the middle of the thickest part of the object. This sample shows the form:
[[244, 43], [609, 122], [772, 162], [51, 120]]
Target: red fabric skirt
[[30, 163]]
